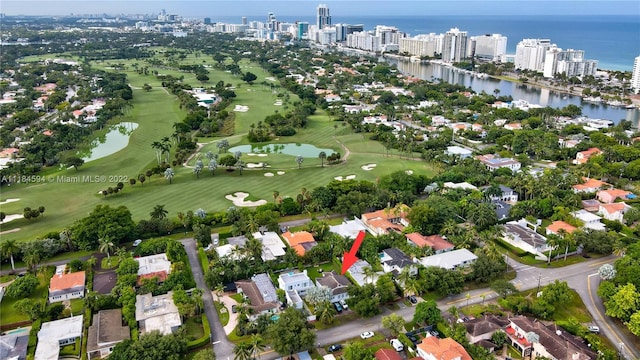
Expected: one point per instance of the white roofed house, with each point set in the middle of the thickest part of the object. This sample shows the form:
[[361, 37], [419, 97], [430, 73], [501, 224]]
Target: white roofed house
[[590, 221], [272, 245], [458, 151], [295, 284], [348, 228], [153, 266], [493, 162], [358, 272], [518, 234], [157, 313], [55, 334], [449, 260]]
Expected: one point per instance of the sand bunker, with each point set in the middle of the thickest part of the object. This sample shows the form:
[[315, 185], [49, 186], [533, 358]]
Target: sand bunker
[[262, 155], [348, 177], [278, 103], [12, 217], [368, 167], [270, 78], [268, 174], [254, 165], [251, 154], [241, 108], [409, 172], [280, 172], [238, 200], [8, 201], [9, 231]]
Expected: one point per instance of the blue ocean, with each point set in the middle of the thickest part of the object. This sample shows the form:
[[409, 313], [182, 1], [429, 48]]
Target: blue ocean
[[612, 40]]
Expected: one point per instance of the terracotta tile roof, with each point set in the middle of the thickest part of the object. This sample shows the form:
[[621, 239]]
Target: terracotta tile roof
[[613, 208], [5, 153], [436, 242], [387, 354], [613, 193], [295, 240], [561, 225], [161, 276], [590, 184], [66, 281], [443, 349]]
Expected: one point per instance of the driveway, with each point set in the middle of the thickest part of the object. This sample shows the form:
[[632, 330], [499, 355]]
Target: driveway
[[233, 318]]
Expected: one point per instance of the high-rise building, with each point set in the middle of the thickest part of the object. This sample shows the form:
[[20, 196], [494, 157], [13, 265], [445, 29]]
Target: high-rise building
[[364, 41], [322, 17], [303, 29], [570, 62], [244, 20], [635, 76], [489, 46], [207, 21], [422, 45], [454, 47], [530, 54]]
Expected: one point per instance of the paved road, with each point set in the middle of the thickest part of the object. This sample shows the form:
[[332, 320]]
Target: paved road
[[221, 345]]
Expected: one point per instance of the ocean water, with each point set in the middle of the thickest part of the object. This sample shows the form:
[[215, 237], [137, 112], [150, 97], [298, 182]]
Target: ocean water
[[613, 40]]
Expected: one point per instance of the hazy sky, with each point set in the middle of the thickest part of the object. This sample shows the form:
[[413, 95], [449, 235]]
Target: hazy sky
[[214, 8]]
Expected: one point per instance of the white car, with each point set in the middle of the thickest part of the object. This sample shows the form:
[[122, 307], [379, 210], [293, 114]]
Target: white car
[[594, 329], [137, 242], [367, 335]]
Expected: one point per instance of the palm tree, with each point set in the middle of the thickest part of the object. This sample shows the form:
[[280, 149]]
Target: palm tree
[[197, 170], [158, 212], [299, 160], [158, 147], [8, 248], [106, 245], [196, 297], [325, 312], [257, 345], [169, 174], [404, 277], [322, 156], [218, 290], [368, 273], [240, 166], [31, 259], [242, 351], [276, 194]]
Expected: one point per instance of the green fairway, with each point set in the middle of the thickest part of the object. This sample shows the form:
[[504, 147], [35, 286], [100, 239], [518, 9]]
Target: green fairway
[[68, 195]]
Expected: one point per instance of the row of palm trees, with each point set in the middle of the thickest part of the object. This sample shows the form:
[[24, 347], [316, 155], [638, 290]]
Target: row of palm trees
[[251, 349]]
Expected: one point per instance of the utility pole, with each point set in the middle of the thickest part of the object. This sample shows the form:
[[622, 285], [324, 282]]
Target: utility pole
[[539, 277]]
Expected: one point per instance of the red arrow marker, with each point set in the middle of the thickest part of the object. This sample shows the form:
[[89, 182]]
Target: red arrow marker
[[350, 257]]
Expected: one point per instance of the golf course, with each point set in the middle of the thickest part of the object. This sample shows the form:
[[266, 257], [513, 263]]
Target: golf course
[[69, 194]]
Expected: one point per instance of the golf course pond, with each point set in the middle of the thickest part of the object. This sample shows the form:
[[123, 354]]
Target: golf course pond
[[305, 150], [116, 139]]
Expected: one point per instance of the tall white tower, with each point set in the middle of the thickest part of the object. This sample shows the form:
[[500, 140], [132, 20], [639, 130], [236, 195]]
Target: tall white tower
[[635, 76], [322, 17]]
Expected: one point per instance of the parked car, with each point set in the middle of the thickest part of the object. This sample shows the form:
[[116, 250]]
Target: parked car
[[344, 304], [337, 306], [412, 299], [234, 309], [335, 347], [209, 247], [137, 242], [396, 344], [594, 329], [367, 334]]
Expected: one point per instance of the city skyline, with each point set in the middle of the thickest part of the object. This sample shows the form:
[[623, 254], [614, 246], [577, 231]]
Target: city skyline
[[200, 8]]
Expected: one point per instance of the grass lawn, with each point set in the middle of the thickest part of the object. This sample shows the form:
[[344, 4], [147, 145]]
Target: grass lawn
[[574, 308], [313, 271], [155, 112], [194, 327], [236, 297], [337, 321], [77, 305], [109, 263], [223, 313], [235, 338], [6, 278], [9, 315]]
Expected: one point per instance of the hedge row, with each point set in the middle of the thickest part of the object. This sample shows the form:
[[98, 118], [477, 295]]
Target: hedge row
[[204, 340]]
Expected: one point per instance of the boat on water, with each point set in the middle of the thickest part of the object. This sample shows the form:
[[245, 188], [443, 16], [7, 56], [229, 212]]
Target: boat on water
[[595, 123], [592, 99], [415, 59]]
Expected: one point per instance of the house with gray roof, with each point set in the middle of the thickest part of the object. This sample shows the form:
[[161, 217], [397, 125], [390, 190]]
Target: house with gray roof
[[520, 235], [13, 344], [105, 332], [337, 283], [394, 261], [261, 294]]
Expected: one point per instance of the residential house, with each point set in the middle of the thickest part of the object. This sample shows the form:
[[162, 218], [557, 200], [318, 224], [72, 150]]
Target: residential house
[[449, 260], [238, 241], [518, 234], [349, 228], [556, 227], [584, 156], [552, 341], [382, 221], [614, 212], [157, 313], [507, 194], [387, 354], [434, 348], [483, 328], [14, 343], [493, 162], [298, 240], [458, 151], [394, 261], [590, 186], [298, 281], [228, 250], [261, 294], [153, 266], [610, 196], [272, 245], [335, 282], [55, 334], [105, 332], [590, 221], [436, 242], [357, 273], [513, 126], [66, 286]]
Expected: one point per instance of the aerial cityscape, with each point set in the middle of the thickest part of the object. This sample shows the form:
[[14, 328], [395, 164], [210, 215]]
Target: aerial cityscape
[[423, 180]]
